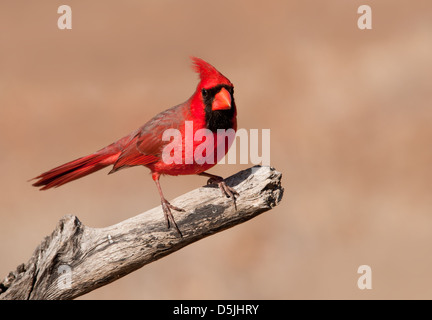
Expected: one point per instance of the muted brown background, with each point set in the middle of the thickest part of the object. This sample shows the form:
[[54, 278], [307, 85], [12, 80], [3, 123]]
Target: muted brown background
[[350, 114]]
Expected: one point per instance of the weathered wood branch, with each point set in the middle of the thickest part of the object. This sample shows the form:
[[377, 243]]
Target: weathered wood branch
[[76, 259]]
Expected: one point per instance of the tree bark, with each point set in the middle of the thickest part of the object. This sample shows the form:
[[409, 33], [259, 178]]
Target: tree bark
[[76, 259]]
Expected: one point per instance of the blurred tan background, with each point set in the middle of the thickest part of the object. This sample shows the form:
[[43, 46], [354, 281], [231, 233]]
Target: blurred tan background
[[350, 113]]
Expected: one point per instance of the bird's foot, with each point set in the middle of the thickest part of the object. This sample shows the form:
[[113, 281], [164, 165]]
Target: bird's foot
[[166, 207], [228, 191]]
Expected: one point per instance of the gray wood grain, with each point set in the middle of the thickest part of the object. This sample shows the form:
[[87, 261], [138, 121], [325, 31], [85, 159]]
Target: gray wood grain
[[76, 259]]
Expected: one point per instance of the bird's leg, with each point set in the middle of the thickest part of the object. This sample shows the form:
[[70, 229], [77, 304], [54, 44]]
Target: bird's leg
[[226, 190], [166, 206]]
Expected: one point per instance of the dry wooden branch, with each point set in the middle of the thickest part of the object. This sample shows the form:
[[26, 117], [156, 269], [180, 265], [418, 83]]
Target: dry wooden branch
[[76, 259]]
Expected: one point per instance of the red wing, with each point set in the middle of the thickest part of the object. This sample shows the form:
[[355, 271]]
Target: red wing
[[130, 156], [147, 145], [150, 136]]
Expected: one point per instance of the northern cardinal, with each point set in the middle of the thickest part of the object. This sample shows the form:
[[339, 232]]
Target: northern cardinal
[[210, 107]]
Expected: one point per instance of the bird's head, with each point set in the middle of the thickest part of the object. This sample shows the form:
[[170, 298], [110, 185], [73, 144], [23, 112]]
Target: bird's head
[[216, 93], [214, 87]]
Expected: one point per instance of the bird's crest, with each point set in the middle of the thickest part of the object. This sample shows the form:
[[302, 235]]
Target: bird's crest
[[208, 74]]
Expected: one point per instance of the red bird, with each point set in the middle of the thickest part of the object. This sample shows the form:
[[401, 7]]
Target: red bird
[[211, 107]]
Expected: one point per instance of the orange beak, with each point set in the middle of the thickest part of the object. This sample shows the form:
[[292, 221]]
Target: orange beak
[[222, 100]]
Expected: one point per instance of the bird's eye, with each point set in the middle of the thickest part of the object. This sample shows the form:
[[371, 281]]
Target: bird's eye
[[204, 93]]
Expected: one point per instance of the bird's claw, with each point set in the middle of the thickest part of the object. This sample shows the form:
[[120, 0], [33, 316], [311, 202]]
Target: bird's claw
[[228, 191], [166, 207]]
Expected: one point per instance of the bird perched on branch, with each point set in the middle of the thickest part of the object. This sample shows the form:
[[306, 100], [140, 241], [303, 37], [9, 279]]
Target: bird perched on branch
[[211, 107]]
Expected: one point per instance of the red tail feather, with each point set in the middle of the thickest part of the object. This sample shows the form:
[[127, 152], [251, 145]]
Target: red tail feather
[[75, 169]]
